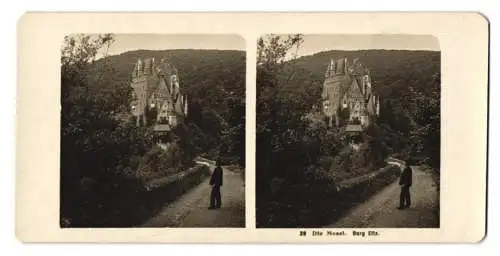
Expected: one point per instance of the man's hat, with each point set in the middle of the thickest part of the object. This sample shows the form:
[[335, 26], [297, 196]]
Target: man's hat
[[409, 161]]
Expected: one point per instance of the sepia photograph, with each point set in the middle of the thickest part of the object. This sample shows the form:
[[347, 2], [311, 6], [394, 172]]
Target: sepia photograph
[[152, 131], [348, 131]]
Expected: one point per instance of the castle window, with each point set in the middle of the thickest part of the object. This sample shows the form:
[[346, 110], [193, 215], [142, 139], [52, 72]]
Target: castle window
[[162, 120]]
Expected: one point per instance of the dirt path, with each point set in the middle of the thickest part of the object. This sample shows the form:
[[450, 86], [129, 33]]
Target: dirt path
[[191, 209], [380, 210]]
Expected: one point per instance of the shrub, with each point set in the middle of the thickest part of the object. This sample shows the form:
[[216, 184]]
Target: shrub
[[319, 198]]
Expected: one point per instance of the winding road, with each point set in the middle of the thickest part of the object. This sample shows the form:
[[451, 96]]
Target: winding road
[[380, 210], [191, 209]]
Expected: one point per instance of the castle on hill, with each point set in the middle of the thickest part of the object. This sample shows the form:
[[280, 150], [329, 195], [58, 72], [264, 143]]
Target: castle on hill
[[157, 93], [348, 87]]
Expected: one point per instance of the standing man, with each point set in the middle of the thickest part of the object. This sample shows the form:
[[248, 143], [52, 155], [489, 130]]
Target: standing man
[[405, 181], [216, 183]]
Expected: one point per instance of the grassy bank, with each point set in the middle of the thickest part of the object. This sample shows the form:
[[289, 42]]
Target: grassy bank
[[116, 201], [317, 199]]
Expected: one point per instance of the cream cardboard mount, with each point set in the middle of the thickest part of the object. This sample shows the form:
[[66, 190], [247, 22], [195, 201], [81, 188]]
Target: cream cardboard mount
[[126, 158]]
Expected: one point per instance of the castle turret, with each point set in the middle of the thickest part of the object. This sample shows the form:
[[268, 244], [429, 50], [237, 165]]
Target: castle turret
[[140, 67], [330, 70], [148, 66], [378, 106], [367, 87], [172, 85], [346, 66], [134, 71], [341, 66]]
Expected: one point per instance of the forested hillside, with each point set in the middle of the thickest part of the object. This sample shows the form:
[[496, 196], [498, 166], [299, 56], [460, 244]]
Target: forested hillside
[[392, 71], [214, 82], [408, 83]]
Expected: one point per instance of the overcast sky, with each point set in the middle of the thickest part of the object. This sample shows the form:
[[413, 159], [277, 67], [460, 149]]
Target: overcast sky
[[130, 42], [318, 43], [312, 43]]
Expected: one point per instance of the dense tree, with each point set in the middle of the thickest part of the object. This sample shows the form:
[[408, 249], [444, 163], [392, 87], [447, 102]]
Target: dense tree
[[95, 146]]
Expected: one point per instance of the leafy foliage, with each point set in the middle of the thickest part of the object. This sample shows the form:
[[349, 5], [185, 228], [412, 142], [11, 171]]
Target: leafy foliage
[[95, 147]]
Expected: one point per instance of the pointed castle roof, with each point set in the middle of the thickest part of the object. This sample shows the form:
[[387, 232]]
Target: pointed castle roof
[[341, 72]]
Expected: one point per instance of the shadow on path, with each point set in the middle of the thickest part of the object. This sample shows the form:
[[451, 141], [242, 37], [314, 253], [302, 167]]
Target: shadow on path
[[191, 209], [380, 210]]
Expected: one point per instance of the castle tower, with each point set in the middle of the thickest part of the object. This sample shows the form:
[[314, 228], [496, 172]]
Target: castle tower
[[327, 72], [367, 87], [378, 106], [155, 85], [340, 66], [186, 107], [330, 69], [139, 101], [171, 83], [140, 67], [148, 66], [348, 85]]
